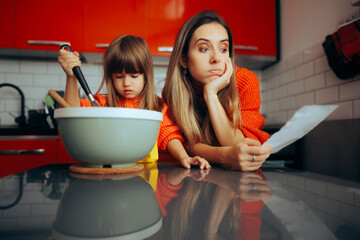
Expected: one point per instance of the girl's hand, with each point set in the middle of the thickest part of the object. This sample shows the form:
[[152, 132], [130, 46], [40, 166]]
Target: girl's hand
[[68, 60], [186, 162], [215, 86]]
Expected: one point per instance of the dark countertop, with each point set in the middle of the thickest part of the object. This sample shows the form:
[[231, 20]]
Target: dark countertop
[[169, 202]]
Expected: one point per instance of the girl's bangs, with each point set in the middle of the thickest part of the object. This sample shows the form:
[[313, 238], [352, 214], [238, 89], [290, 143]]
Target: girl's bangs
[[127, 60]]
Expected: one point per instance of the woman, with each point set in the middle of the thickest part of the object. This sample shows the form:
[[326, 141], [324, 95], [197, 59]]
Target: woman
[[216, 109]]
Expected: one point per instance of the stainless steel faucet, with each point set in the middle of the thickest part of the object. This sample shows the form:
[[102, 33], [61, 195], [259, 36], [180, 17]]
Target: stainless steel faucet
[[21, 120]]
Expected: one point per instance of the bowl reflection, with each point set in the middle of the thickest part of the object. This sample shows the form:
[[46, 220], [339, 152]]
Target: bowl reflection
[[124, 208]]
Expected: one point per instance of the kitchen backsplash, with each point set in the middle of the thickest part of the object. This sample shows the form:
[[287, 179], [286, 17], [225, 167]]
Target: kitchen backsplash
[[35, 78], [304, 79]]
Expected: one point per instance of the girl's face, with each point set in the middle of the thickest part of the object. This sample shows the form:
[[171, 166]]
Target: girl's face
[[208, 51], [128, 85]]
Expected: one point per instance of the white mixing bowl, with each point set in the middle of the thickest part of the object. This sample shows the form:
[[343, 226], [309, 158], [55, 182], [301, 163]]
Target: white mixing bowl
[[108, 136]]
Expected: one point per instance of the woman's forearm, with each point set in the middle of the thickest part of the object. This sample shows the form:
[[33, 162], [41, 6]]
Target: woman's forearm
[[212, 154], [223, 127], [239, 156]]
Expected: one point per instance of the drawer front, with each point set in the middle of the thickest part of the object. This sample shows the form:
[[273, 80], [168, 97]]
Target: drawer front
[[21, 155]]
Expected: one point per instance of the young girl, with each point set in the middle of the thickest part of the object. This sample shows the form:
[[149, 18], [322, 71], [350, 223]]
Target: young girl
[[129, 80], [217, 110]]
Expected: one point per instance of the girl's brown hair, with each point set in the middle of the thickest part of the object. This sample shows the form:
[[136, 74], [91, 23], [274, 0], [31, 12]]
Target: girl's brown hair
[[130, 54], [179, 94]]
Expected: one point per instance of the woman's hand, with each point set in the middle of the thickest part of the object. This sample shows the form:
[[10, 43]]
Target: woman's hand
[[68, 60], [247, 155], [215, 86], [186, 162]]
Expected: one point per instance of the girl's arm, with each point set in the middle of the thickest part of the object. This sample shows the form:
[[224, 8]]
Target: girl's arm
[[176, 149], [223, 127], [68, 60]]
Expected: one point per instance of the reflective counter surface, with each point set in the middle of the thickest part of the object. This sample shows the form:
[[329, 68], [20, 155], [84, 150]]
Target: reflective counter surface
[[166, 201]]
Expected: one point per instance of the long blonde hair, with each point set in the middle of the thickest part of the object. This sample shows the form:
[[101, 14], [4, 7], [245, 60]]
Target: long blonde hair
[[130, 54], [179, 94]]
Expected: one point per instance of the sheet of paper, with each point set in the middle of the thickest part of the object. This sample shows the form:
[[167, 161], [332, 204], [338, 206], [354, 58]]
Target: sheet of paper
[[303, 121]]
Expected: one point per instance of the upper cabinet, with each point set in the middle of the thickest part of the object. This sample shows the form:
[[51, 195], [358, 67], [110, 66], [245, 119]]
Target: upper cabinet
[[107, 19], [90, 25], [253, 23], [7, 23], [164, 20], [43, 20]]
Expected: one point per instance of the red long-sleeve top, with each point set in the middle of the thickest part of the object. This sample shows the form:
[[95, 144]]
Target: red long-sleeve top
[[168, 130], [250, 101]]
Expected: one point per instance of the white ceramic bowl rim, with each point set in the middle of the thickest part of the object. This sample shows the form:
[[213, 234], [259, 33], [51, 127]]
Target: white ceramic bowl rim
[[107, 112]]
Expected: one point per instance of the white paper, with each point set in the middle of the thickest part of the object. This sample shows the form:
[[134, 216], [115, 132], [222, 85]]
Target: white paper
[[303, 121]]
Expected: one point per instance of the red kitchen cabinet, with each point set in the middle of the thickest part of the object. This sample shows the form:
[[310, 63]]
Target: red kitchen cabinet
[[253, 23], [90, 25], [7, 24], [108, 19], [20, 155], [43, 20], [164, 21], [62, 155]]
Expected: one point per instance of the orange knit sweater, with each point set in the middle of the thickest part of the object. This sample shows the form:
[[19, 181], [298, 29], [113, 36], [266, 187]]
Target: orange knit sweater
[[168, 130], [249, 95]]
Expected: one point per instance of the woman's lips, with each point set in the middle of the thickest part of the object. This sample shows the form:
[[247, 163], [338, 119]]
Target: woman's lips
[[217, 72]]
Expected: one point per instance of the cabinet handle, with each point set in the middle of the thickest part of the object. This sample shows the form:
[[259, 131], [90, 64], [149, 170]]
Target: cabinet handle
[[41, 42], [236, 47], [242, 47], [101, 45], [22, 152], [165, 49]]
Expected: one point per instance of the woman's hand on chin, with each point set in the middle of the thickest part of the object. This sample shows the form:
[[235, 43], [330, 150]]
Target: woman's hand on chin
[[221, 82]]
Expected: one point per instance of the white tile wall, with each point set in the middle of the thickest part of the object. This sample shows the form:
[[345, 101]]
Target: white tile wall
[[306, 78], [35, 78]]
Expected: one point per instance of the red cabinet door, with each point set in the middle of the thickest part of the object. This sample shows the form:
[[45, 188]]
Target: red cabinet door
[[7, 24], [43, 20], [253, 23], [107, 19], [164, 20], [21, 155]]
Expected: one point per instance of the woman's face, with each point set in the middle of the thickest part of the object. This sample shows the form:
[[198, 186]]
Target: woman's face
[[208, 51], [128, 85]]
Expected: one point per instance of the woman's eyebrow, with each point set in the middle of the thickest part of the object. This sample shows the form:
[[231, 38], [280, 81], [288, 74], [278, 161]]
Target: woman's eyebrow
[[207, 40]]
